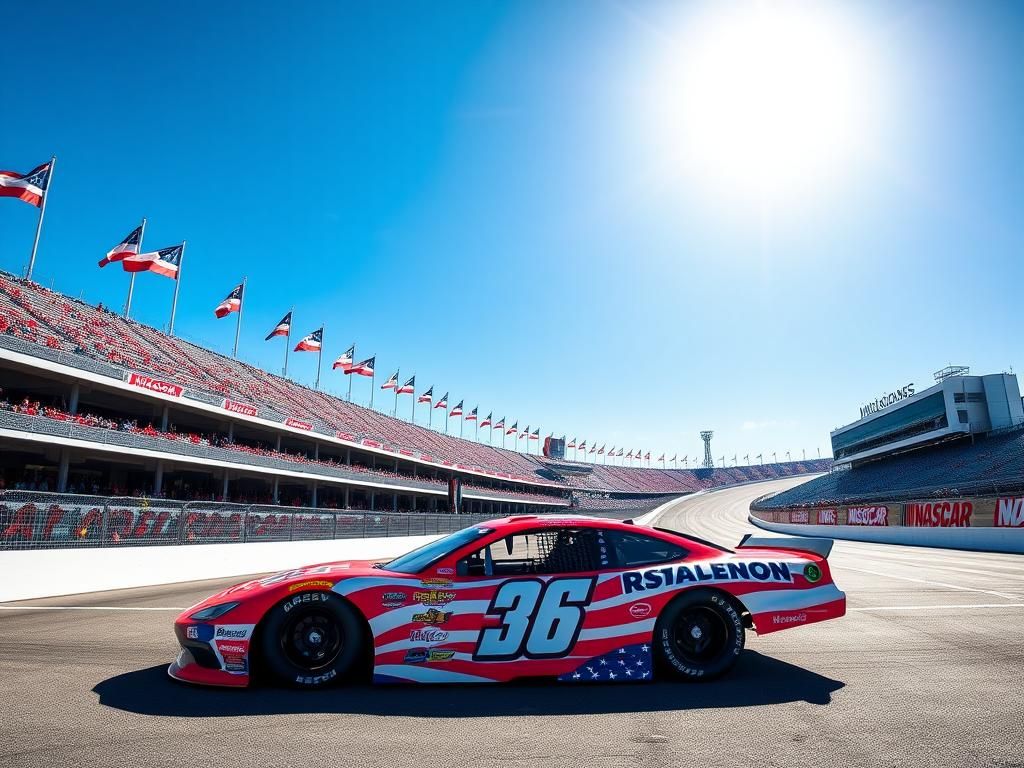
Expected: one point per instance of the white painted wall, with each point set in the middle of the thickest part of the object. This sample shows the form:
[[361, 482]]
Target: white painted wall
[[49, 572], [974, 539]]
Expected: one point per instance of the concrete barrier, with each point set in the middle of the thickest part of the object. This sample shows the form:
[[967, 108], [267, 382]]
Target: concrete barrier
[[1009, 540], [51, 572]]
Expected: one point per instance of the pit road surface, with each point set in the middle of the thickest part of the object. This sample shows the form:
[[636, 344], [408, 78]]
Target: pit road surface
[[925, 670]]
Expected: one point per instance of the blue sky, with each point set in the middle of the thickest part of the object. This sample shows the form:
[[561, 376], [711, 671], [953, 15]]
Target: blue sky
[[483, 194]]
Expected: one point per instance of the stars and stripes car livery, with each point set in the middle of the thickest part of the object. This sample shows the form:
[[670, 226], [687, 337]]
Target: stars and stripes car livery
[[575, 599]]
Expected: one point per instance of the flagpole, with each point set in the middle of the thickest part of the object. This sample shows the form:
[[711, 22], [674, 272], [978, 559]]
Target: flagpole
[[319, 357], [430, 413], [462, 423], [414, 397], [131, 280], [288, 341], [177, 285], [238, 320], [373, 382], [39, 224], [350, 372], [395, 412]]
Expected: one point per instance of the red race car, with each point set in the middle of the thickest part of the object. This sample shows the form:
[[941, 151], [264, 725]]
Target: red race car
[[571, 598]]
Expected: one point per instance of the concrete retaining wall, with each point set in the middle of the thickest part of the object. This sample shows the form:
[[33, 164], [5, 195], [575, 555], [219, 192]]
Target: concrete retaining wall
[[50, 572]]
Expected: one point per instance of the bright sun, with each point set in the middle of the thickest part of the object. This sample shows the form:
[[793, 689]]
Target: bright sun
[[767, 100]]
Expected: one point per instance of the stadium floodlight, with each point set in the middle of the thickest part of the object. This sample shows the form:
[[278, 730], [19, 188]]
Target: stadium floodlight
[[706, 436]]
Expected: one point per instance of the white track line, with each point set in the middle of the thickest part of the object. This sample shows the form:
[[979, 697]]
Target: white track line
[[935, 607], [83, 608], [924, 581]]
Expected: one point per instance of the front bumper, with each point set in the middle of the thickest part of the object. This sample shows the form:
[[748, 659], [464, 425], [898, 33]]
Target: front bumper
[[185, 669], [212, 655]]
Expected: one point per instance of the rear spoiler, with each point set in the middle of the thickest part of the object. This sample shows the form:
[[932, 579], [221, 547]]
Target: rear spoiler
[[820, 547]]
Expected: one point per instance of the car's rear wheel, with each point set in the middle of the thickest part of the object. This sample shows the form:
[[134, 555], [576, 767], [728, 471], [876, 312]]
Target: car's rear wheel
[[699, 636], [311, 640]]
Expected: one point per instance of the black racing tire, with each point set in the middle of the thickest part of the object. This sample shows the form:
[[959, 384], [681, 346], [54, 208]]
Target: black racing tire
[[312, 640], [699, 636]]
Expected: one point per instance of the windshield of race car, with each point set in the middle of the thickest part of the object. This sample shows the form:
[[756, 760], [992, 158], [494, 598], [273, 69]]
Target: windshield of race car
[[428, 554]]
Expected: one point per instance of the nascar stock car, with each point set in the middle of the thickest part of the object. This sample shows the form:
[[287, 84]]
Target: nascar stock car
[[572, 598]]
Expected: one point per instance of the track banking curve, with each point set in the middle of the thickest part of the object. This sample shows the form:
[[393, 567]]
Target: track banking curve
[[924, 670]]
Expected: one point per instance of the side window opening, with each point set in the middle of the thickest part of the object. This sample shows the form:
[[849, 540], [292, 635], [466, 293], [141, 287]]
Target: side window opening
[[546, 551], [632, 550]]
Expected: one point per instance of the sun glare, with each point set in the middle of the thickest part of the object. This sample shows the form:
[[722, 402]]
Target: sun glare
[[767, 100]]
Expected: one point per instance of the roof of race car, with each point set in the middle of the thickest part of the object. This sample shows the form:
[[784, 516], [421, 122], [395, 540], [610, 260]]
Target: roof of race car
[[526, 521]]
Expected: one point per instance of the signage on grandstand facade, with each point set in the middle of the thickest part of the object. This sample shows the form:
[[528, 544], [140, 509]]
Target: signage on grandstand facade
[[887, 399], [290, 422], [155, 385], [243, 408]]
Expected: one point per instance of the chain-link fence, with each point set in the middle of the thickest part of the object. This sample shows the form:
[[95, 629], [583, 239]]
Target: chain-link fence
[[32, 520]]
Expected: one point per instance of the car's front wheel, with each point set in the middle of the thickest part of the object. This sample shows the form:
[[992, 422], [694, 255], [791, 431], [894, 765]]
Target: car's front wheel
[[311, 640], [699, 636]]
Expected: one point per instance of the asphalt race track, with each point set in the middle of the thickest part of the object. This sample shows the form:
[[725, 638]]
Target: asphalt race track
[[927, 669]]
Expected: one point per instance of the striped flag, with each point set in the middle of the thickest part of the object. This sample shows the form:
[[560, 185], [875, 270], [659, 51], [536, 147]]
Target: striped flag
[[443, 402], [29, 187], [392, 382], [593, 448], [164, 262], [311, 343], [127, 247], [500, 424], [620, 452], [408, 388], [513, 429], [364, 368], [487, 420], [535, 435], [525, 432], [600, 451], [233, 303], [572, 443], [283, 328], [647, 455], [345, 360], [456, 411], [427, 396], [471, 416]]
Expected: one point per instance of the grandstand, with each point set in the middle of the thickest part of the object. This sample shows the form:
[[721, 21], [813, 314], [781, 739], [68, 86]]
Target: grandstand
[[96, 403]]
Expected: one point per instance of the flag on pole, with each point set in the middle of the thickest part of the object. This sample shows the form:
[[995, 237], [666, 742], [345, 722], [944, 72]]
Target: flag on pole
[[662, 457], [487, 420], [164, 262], [283, 327], [612, 451], [408, 388], [443, 402], [456, 411], [471, 416], [535, 435], [513, 429], [345, 360], [233, 302], [364, 368], [312, 342], [620, 452], [630, 454], [127, 247], [427, 396], [600, 451], [572, 443], [593, 448], [673, 457], [392, 382], [583, 445], [499, 424], [29, 187], [647, 455]]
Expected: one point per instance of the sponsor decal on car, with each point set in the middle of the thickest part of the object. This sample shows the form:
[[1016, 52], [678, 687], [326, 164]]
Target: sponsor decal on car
[[238, 648], [428, 635], [434, 583], [655, 578], [393, 599], [192, 632], [233, 632], [432, 616], [640, 610], [433, 597], [435, 654], [789, 618], [867, 515], [315, 584], [445, 571], [812, 573], [416, 656]]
